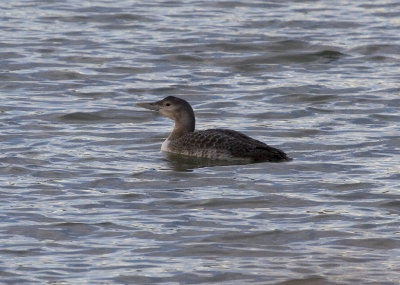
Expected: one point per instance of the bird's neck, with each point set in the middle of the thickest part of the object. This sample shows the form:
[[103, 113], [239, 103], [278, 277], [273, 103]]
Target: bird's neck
[[185, 123]]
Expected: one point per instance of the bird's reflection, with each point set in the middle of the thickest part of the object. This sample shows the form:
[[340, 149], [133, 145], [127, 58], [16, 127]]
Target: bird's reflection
[[179, 162]]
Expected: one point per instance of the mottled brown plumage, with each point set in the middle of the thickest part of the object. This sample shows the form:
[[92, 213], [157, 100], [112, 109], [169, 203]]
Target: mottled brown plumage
[[213, 143]]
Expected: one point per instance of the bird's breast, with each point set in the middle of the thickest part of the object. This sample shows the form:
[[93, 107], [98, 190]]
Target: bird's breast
[[165, 145]]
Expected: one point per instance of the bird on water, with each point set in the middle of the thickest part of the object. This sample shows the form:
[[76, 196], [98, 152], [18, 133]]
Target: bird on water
[[220, 144]]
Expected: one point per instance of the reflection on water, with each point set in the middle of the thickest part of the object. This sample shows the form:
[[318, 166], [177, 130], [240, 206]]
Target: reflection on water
[[87, 196], [185, 163]]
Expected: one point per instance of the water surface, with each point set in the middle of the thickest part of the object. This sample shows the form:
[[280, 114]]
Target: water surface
[[87, 197]]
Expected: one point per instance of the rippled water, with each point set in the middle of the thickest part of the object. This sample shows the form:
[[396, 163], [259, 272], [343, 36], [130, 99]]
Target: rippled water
[[87, 198]]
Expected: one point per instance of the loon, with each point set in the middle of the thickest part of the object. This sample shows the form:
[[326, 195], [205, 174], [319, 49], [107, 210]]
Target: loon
[[219, 144]]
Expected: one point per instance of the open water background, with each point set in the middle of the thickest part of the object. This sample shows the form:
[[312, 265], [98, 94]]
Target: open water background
[[87, 198]]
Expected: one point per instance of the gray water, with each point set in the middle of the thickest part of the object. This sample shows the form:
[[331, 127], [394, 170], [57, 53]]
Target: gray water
[[88, 198]]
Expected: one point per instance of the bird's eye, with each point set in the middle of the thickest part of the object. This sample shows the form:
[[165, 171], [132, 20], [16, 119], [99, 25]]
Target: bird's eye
[[167, 104]]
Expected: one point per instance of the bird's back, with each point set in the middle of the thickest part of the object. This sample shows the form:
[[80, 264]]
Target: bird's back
[[224, 144]]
